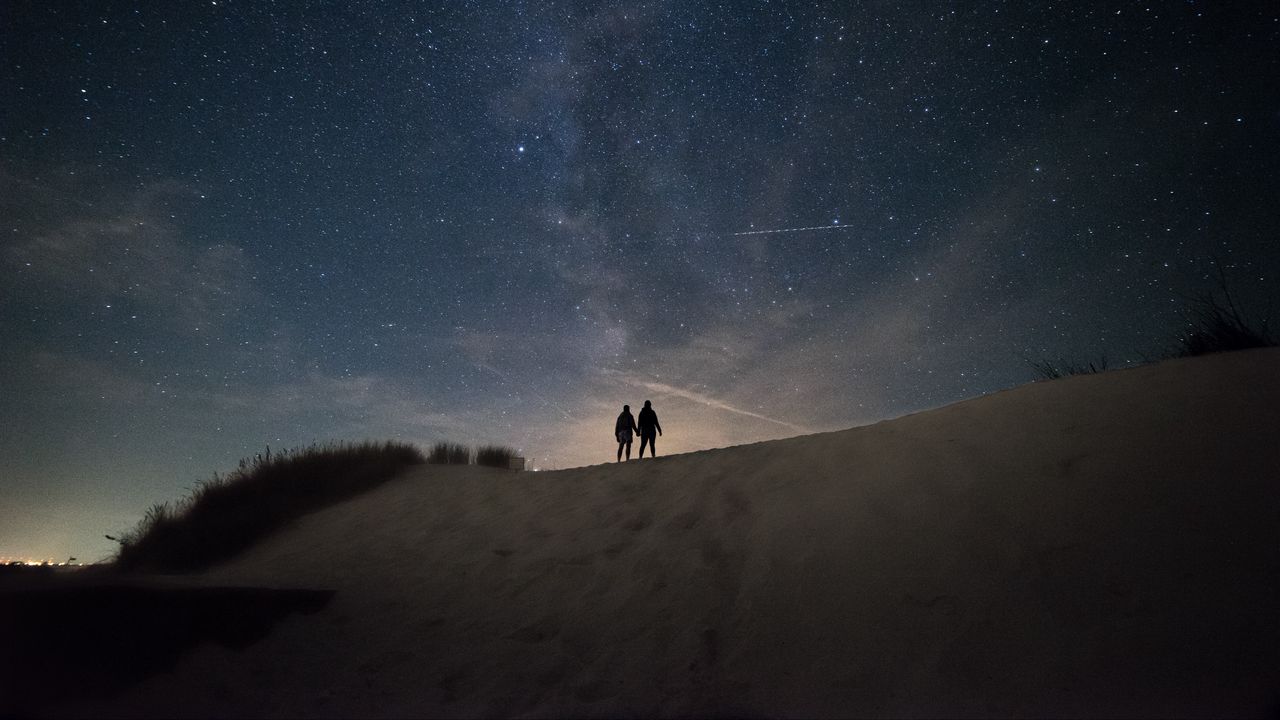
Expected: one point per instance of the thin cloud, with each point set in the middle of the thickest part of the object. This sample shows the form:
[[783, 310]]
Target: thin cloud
[[126, 250]]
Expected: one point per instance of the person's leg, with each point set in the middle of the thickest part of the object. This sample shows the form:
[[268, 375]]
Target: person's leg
[[644, 440], [620, 452], [653, 446], [628, 449]]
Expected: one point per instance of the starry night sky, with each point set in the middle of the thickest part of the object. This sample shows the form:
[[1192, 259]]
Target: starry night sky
[[234, 224]]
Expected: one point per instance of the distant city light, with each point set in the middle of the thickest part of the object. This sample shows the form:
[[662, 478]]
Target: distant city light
[[38, 562]]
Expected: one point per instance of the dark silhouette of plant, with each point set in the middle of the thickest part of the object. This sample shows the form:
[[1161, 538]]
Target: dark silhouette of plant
[[1218, 324], [1050, 370], [226, 514], [447, 453], [495, 456], [1214, 322]]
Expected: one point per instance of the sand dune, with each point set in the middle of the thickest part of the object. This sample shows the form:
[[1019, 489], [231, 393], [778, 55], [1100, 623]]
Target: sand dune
[[1098, 545]]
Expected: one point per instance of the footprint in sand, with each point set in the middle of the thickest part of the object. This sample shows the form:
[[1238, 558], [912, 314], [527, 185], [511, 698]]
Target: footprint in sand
[[639, 522], [597, 690], [735, 503], [687, 520], [536, 633], [383, 661]]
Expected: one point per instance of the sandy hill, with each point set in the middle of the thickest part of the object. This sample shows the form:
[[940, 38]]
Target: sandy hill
[[1098, 545]]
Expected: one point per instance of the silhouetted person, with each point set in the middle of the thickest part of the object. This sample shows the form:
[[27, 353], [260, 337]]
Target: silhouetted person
[[623, 429], [648, 426]]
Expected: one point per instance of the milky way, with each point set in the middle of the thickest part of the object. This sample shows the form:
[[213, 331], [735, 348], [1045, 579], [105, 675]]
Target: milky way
[[238, 224]]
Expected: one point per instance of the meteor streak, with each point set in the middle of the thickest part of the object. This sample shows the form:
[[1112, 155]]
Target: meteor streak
[[799, 229]]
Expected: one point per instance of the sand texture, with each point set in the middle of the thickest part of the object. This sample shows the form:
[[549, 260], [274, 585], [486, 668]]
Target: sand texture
[[1103, 545]]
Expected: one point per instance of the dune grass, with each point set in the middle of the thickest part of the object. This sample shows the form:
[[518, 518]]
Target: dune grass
[[225, 515], [495, 456], [447, 453], [1050, 370], [1216, 323], [1213, 322]]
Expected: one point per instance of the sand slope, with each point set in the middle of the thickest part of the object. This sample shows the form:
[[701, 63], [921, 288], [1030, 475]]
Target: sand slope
[[1098, 545]]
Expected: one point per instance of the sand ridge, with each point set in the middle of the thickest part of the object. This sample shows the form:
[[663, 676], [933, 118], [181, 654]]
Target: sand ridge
[[1097, 545]]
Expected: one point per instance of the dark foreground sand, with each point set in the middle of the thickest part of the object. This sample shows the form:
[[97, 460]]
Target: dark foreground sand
[[1103, 545]]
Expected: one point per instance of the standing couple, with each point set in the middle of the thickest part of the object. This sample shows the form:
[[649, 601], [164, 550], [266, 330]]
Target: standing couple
[[648, 429]]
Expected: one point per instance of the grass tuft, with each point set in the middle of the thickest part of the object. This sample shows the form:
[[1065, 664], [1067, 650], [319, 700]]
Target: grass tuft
[[495, 456], [225, 515], [1050, 370], [1215, 323], [447, 453]]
